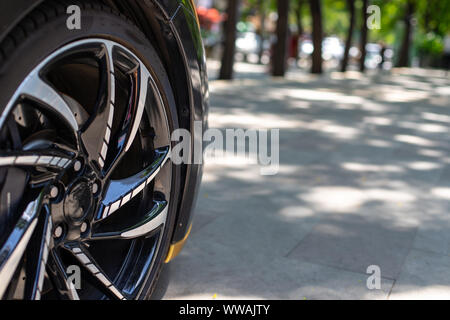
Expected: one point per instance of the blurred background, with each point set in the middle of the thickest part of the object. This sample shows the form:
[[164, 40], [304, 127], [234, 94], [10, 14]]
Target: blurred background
[[282, 34], [360, 91]]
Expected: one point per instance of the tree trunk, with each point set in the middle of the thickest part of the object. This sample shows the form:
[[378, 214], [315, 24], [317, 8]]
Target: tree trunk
[[226, 68], [403, 60], [317, 35], [348, 43], [298, 17], [262, 14], [363, 40], [280, 53]]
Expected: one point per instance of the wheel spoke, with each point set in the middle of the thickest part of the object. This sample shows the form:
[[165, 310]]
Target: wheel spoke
[[35, 158], [91, 265], [37, 260], [65, 287], [124, 135], [143, 77], [149, 223], [120, 192], [96, 136], [12, 251], [38, 90]]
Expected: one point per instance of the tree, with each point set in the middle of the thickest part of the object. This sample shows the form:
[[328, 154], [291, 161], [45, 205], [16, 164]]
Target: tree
[[403, 60], [317, 34], [262, 17], [280, 50], [363, 39], [299, 21], [348, 42], [226, 68]]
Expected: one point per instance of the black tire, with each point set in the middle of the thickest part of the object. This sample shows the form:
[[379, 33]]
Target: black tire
[[44, 31]]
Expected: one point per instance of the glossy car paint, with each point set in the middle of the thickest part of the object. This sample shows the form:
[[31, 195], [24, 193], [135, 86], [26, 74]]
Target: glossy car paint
[[172, 27]]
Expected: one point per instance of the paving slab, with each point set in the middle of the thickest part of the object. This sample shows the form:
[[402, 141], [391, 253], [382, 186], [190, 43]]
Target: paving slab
[[354, 243], [425, 275], [364, 179]]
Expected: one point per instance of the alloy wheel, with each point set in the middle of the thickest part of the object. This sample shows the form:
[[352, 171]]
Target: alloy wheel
[[85, 176]]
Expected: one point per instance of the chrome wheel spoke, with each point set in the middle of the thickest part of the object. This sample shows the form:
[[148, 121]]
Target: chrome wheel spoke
[[97, 134], [35, 158], [91, 265], [142, 77], [154, 219], [39, 91], [125, 128], [65, 287], [12, 251], [121, 192], [37, 260]]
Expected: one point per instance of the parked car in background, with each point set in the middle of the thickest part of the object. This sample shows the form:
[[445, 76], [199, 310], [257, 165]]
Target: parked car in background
[[248, 45], [332, 49]]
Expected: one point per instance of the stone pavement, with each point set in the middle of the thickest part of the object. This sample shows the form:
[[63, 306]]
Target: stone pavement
[[364, 180]]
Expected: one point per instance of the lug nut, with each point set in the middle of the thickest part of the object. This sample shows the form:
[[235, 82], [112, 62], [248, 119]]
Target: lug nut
[[54, 191], [58, 232], [95, 188], [84, 227], [77, 166]]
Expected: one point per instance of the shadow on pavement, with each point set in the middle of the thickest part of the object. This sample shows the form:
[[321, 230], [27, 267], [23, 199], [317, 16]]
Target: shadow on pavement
[[364, 180]]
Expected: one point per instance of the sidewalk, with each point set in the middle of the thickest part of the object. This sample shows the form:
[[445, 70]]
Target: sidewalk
[[364, 180]]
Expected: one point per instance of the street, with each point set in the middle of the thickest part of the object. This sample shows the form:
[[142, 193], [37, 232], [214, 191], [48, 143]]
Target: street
[[364, 180]]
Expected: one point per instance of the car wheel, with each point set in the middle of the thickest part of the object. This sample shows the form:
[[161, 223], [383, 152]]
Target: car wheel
[[88, 191]]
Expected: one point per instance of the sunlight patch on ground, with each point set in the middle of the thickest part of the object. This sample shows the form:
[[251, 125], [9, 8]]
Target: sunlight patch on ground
[[352, 75], [395, 94], [379, 121], [346, 199], [423, 165], [249, 120], [443, 193], [433, 292], [362, 167], [445, 91], [431, 153], [379, 143], [425, 127], [296, 212], [209, 177], [341, 131], [319, 95], [414, 140], [214, 296], [436, 117]]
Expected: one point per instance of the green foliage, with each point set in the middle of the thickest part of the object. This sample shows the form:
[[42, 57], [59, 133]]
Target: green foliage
[[336, 18], [432, 19], [433, 16], [430, 43]]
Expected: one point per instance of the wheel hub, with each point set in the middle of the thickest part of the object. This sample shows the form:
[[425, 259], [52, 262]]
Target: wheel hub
[[78, 202]]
